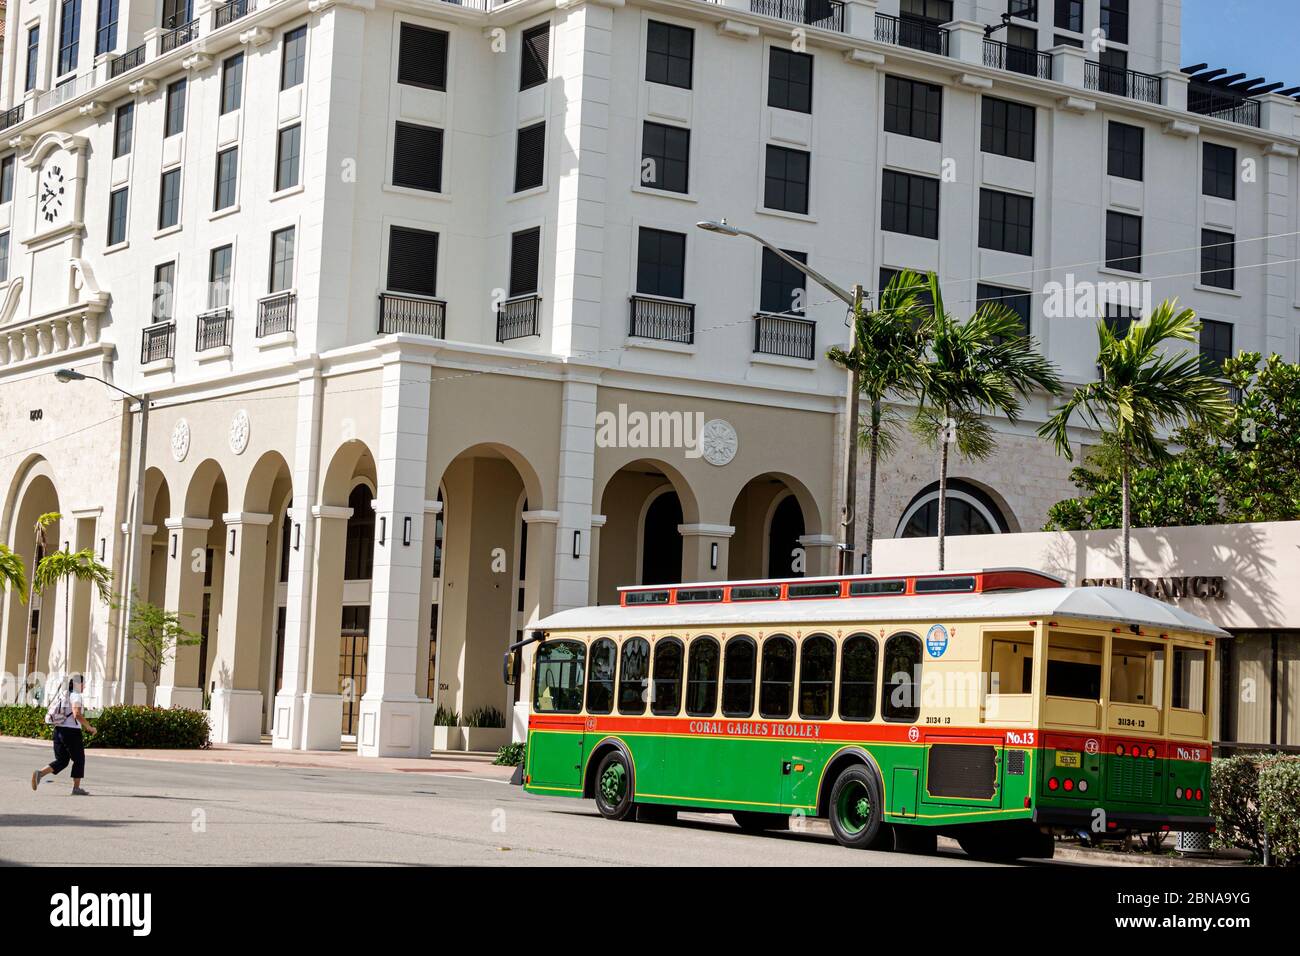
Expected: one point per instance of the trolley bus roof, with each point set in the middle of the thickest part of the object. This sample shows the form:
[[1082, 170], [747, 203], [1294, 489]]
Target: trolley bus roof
[[1110, 605]]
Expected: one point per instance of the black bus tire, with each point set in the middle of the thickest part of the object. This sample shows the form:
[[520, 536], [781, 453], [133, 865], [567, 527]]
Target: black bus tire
[[614, 787], [856, 813]]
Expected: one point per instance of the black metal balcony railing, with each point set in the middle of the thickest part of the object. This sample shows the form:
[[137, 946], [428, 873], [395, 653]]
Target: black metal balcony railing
[[785, 335], [127, 61], [11, 117], [157, 342], [277, 313], [412, 314], [824, 14], [1222, 104], [912, 33], [667, 319], [1017, 59], [517, 318], [178, 37], [213, 330], [1128, 83], [232, 11]]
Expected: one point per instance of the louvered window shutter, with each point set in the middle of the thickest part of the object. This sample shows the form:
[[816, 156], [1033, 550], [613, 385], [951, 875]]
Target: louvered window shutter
[[413, 261], [530, 157], [535, 59], [422, 57], [417, 157], [525, 248]]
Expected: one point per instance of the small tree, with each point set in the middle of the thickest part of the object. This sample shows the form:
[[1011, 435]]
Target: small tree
[[71, 566], [156, 633], [1142, 394], [985, 365], [29, 639], [887, 358]]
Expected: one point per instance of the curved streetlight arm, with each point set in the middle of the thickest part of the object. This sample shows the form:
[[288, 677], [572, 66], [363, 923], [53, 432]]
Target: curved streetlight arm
[[726, 229], [68, 375]]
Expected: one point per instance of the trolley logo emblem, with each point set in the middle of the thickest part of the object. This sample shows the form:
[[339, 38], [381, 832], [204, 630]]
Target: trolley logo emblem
[[913, 734], [1091, 746], [936, 640]]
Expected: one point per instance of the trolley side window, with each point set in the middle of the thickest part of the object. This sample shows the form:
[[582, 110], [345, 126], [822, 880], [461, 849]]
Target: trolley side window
[[633, 671], [1136, 673], [901, 701], [776, 697], [738, 677], [702, 677], [600, 677], [559, 670], [858, 678], [1074, 666], [667, 699], [817, 678], [1190, 678]]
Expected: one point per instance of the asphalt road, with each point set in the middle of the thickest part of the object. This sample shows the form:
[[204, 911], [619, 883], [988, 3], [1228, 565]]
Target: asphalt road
[[146, 812]]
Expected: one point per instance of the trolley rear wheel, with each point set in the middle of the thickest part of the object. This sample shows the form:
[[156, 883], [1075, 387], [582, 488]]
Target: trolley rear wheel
[[614, 788], [855, 810]]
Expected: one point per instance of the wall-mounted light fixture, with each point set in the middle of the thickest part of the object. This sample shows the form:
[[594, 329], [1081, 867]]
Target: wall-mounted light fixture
[[297, 536], [406, 531], [232, 540], [863, 569], [577, 544], [383, 530], [103, 548], [173, 544], [713, 556]]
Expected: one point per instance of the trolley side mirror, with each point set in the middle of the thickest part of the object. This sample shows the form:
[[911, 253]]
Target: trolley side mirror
[[510, 667]]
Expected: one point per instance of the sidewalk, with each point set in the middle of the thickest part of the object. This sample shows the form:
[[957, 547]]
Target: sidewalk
[[263, 755]]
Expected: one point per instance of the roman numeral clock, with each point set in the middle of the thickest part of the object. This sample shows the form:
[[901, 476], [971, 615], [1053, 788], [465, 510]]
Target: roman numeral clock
[[52, 194], [56, 174]]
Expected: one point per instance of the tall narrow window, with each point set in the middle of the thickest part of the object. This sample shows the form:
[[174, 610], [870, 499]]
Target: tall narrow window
[[1124, 151], [785, 183], [530, 157], [117, 216], [1007, 128], [281, 260], [817, 678], [1006, 222], [633, 675], [226, 178], [1114, 20], [776, 693], [909, 204], [164, 289], [7, 179], [1218, 259], [33, 57], [901, 696], [738, 677], [123, 129], [219, 267], [666, 687], [534, 56], [1219, 172], [286, 157], [69, 35], [1123, 241], [665, 157], [1069, 15], [1016, 300], [174, 121], [1216, 345], [913, 108], [669, 54], [661, 263], [4, 256], [232, 83], [417, 157], [525, 250], [702, 678], [858, 678], [422, 57], [169, 199], [294, 65], [106, 27], [789, 80], [782, 286], [600, 678], [412, 261]]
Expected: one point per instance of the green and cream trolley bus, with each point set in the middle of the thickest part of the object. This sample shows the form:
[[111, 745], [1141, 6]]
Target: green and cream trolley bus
[[996, 706]]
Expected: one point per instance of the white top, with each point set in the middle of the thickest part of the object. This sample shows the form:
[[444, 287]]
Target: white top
[[74, 700], [1095, 604]]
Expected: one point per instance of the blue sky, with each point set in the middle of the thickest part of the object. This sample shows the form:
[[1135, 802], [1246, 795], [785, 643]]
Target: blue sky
[[1255, 37]]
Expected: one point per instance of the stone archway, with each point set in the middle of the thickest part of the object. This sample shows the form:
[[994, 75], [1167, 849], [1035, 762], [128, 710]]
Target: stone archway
[[645, 504], [778, 532], [32, 628]]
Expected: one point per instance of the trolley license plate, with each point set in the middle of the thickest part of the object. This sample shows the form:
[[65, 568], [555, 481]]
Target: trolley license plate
[[1067, 758]]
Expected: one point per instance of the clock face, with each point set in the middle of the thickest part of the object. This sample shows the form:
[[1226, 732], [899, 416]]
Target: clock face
[[50, 201]]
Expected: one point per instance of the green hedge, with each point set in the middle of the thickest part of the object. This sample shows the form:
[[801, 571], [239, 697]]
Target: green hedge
[[20, 721], [1255, 798], [511, 755], [126, 727]]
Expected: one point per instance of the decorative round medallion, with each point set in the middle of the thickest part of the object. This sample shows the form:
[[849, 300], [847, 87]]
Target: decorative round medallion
[[180, 439], [720, 442], [239, 432]]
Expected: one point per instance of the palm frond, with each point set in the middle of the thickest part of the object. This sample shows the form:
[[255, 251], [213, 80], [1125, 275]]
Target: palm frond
[[13, 573], [77, 566]]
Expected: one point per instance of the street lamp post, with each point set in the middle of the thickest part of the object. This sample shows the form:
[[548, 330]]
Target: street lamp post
[[848, 517], [137, 517]]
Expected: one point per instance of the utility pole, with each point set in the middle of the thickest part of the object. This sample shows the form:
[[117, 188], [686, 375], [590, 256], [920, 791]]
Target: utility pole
[[848, 512]]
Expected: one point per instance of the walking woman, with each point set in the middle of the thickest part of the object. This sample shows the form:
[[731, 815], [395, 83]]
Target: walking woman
[[68, 719]]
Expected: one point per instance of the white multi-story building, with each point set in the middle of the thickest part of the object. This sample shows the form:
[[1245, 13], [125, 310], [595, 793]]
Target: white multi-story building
[[432, 346]]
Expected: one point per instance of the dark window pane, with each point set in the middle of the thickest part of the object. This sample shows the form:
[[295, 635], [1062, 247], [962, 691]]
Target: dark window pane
[[117, 216], [661, 263], [169, 199], [1124, 151], [667, 692], [413, 261], [1218, 259], [422, 57], [525, 250], [417, 157], [530, 157], [913, 108], [227, 178], [600, 678], [232, 83], [858, 678], [1216, 345], [782, 284], [1123, 242], [1219, 178], [1114, 20], [534, 57], [702, 678], [294, 65], [669, 53], [902, 697], [1006, 222], [288, 150], [786, 181], [633, 675], [909, 204], [558, 677], [123, 129], [738, 677], [1016, 300], [817, 678], [776, 696], [1007, 128], [665, 157], [174, 121], [789, 80]]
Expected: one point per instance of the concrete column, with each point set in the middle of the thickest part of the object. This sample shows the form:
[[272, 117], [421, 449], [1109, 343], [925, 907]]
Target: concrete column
[[187, 542], [860, 18], [1068, 65], [822, 553], [1278, 180], [593, 584], [322, 704], [237, 697], [573, 576], [392, 712], [697, 551], [1173, 84], [966, 41]]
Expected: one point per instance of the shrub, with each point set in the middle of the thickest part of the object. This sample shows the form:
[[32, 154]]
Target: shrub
[[446, 718], [1279, 808], [134, 727], [1234, 802], [485, 717], [511, 755], [21, 721]]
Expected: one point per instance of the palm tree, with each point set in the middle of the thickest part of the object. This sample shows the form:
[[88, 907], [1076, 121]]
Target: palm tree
[[64, 565], [12, 573], [29, 643], [1143, 393], [984, 366], [887, 359]]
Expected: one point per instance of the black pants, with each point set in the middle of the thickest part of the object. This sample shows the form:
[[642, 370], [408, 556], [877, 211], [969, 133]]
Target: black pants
[[69, 748]]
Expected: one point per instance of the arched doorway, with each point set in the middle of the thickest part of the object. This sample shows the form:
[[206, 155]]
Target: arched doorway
[[784, 552], [777, 525], [661, 542], [33, 629], [644, 504]]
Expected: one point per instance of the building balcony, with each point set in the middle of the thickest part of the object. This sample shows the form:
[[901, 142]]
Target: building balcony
[[127, 61], [11, 117], [519, 317], [228, 13], [823, 14], [911, 33], [1221, 104], [1017, 59], [1127, 83], [178, 36], [669, 320], [788, 336], [213, 330], [412, 315], [277, 314], [158, 342]]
